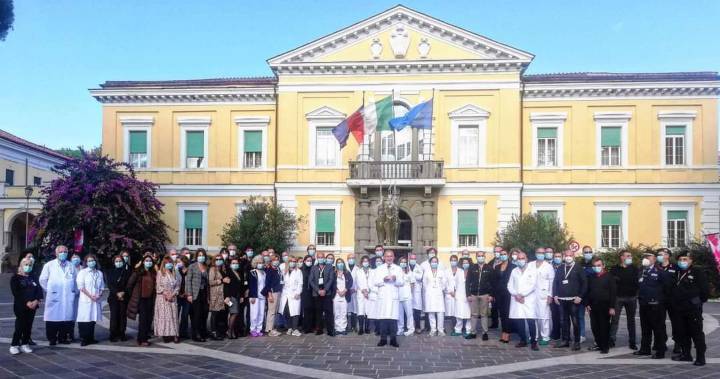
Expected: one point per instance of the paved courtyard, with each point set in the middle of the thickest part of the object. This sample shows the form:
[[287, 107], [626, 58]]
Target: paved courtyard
[[340, 357]]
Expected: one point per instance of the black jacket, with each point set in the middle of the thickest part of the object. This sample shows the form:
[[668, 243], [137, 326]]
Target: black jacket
[[501, 279], [237, 286], [690, 289], [655, 286], [602, 291], [627, 280], [480, 280], [576, 284], [117, 280], [24, 289]]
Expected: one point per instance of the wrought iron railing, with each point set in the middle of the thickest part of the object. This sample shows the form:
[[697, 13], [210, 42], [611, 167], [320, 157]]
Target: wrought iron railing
[[396, 170]]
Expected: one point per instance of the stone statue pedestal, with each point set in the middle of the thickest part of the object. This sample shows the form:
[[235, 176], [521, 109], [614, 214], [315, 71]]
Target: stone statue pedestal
[[400, 251]]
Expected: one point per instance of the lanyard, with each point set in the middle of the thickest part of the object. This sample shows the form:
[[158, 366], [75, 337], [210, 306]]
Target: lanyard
[[568, 272], [682, 277]]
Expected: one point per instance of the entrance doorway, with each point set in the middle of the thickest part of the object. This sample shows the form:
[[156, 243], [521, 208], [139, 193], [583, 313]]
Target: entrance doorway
[[404, 229]]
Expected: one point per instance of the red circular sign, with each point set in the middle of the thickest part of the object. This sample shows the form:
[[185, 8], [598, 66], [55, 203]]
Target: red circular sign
[[574, 246]]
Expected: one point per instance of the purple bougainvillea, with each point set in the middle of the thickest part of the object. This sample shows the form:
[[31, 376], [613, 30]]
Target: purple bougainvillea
[[105, 200]]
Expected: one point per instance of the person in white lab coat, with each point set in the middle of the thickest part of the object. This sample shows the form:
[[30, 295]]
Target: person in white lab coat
[[462, 305], [545, 278], [523, 296], [388, 279], [434, 286], [290, 299], [450, 292], [343, 285], [425, 266], [362, 284], [372, 310], [416, 274], [352, 304], [90, 283], [58, 280], [405, 315]]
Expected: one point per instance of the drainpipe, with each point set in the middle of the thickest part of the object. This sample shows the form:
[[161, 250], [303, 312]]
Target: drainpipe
[[522, 145], [277, 124]]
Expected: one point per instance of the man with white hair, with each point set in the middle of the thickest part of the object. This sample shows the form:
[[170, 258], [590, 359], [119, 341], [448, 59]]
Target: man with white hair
[[58, 281]]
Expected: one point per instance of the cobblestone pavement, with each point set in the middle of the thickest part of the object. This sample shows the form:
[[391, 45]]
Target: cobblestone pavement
[[338, 357]]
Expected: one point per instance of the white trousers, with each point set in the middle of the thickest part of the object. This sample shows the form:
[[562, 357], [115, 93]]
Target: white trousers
[[340, 306], [257, 315], [543, 329], [406, 307], [460, 322], [437, 321]]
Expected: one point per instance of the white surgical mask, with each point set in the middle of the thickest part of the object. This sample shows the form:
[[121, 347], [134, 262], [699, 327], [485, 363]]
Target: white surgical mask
[[646, 262], [569, 260]]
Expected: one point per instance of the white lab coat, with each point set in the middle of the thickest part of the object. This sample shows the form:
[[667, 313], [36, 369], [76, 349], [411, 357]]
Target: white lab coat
[[449, 299], [93, 282], [462, 307], [434, 286], [417, 287], [58, 281], [293, 287], [545, 278], [371, 305], [388, 292], [523, 283], [425, 266], [406, 289], [362, 282], [352, 305]]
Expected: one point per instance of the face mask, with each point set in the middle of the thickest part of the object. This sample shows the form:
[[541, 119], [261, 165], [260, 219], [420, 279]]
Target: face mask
[[201, 259], [219, 262], [76, 261], [266, 259], [233, 253], [569, 260], [366, 264], [188, 256], [62, 257], [503, 258], [180, 266], [168, 266], [378, 263], [597, 269], [321, 261], [548, 256], [557, 260], [27, 268], [119, 264], [285, 258], [351, 262], [340, 266], [275, 263], [378, 253], [466, 266], [660, 259], [126, 258], [587, 256], [521, 263], [308, 263], [329, 261], [224, 255], [453, 263], [480, 260], [292, 264], [147, 264], [260, 266], [249, 253], [683, 265], [403, 264], [431, 255], [465, 255], [413, 262], [173, 258], [311, 252], [628, 261], [91, 264], [235, 266], [540, 256], [497, 255], [434, 265], [646, 262], [514, 257]]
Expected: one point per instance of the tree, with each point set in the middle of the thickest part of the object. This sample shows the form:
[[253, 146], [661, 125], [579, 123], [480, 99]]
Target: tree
[[104, 200], [262, 224], [7, 17], [530, 231], [77, 152]]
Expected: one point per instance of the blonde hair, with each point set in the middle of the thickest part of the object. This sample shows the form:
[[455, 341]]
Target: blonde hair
[[22, 264], [257, 259]]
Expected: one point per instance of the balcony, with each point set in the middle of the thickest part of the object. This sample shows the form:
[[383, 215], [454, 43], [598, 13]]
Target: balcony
[[401, 173]]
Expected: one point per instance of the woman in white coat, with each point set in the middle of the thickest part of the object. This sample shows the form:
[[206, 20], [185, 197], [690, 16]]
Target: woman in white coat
[[58, 280], [545, 279], [405, 297], [523, 295], [450, 291], [290, 299], [372, 311], [462, 306], [362, 285], [416, 273], [90, 283], [435, 284]]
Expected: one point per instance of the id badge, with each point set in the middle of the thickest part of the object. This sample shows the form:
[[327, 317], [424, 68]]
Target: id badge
[[282, 281], [565, 281], [245, 283], [321, 281], [640, 280]]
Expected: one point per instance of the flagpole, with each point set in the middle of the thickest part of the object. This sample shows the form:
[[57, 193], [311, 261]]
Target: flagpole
[[432, 118]]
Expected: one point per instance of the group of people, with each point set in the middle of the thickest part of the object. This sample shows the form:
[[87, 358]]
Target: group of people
[[543, 297]]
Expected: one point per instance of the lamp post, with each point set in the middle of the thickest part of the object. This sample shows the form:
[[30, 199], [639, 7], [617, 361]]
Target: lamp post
[[28, 193]]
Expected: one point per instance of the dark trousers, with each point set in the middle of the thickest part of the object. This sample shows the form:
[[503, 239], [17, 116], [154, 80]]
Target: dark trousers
[[416, 318], [652, 328], [630, 305], [24, 318], [520, 329], [245, 318], [555, 327], [324, 313], [308, 315], [569, 312], [183, 315], [388, 327], [199, 315], [690, 331], [58, 331], [218, 323], [118, 317], [503, 303], [494, 316], [671, 314], [600, 325], [145, 311], [87, 331], [240, 325], [293, 321]]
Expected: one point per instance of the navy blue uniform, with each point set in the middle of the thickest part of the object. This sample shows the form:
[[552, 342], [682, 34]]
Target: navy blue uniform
[[655, 285]]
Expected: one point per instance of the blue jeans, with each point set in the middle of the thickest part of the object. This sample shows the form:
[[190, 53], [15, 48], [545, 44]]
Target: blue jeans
[[581, 319], [183, 312], [520, 329]]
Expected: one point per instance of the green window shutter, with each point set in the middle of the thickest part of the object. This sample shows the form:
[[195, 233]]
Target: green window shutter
[[253, 141], [675, 130], [195, 144], [467, 222], [611, 217], [325, 220], [677, 215], [547, 132], [610, 136], [138, 142], [550, 215], [193, 219]]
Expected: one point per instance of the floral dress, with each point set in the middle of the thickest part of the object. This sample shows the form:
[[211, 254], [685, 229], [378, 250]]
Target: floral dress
[[217, 298], [166, 314]]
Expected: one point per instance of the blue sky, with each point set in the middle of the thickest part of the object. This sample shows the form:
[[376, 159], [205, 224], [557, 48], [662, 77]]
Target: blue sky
[[61, 48]]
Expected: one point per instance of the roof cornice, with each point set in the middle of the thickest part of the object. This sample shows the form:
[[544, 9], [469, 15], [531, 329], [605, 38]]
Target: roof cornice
[[599, 90], [184, 95], [399, 67]]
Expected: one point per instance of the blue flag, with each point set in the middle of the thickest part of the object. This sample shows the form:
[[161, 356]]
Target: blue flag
[[419, 117]]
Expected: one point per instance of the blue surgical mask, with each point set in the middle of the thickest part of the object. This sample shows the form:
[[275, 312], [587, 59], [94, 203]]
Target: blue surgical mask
[[540, 256], [453, 263], [434, 265], [466, 266], [351, 262], [548, 256], [660, 258], [504, 258], [235, 266], [201, 259], [520, 263], [250, 253], [587, 256], [403, 264], [497, 255], [275, 263], [126, 258], [341, 266], [366, 264], [413, 262], [378, 253], [169, 266], [219, 262], [321, 261], [597, 269], [260, 266], [91, 264], [119, 264], [27, 269], [378, 262], [557, 260], [683, 265], [147, 264], [628, 261], [311, 252], [292, 264], [76, 261], [62, 256], [266, 259], [329, 261], [285, 258], [481, 260], [308, 263]]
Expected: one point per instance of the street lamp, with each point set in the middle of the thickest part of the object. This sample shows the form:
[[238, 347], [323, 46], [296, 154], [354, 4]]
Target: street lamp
[[28, 193]]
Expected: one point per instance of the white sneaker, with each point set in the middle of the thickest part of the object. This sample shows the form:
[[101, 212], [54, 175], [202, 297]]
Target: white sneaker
[[441, 333], [432, 333], [409, 333], [26, 349], [289, 332], [273, 333], [14, 350], [296, 333], [399, 333], [582, 339]]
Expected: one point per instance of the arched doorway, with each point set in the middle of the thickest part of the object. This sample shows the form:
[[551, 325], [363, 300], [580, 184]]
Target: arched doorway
[[404, 229], [16, 238]]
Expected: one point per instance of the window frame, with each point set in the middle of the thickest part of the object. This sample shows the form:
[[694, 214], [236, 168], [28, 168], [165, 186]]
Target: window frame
[[329, 205], [475, 205], [677, 118], [193, 206], [468, 115], [685, 206], [137, 124], [621, 206], [555, 120], [323, 117], [38, 182], [556, 206], [194, 124], [12, 177], [612, 120], [252, 123]]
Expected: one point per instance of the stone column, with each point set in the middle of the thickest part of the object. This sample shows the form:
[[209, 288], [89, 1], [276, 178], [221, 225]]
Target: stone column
[[362, 225]]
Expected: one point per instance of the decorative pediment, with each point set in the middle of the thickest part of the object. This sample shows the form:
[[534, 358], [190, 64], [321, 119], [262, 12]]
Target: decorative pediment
[[468, 112], [325, 113], [402, 36]]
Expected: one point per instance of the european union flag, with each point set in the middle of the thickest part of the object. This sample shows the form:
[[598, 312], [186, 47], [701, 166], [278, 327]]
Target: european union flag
[[419, 117]]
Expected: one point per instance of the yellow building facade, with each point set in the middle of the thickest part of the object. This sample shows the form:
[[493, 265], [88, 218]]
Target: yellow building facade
[[616, 157]]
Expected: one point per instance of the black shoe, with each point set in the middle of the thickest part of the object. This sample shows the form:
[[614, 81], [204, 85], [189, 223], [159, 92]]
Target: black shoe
[[521, 344], [53, 343], [677, 349], [83, 343], [534, 346], [470, 336], [640, 352], [393, 343], [682, 358], [382, 343], [377, 333], [361, 331], [31, 342], [319, 333], [561, 345], [331, 334], [65, 342], [484, 337], [576, 346], [604, 351], [611, 344], [633, 346], [699, 363], [658, 356]]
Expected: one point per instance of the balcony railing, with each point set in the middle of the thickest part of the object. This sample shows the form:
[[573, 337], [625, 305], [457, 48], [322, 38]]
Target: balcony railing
[[367, 170]]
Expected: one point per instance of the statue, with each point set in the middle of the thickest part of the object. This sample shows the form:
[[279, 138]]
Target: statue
[[388, 220], [380, 223]]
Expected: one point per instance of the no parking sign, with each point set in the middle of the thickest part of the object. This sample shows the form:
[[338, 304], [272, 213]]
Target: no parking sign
[[574, 246]]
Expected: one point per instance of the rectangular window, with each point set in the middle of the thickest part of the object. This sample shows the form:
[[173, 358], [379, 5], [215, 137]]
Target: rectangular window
[[193, 227], [675, 145], [194, 149], [325, 148], [325, 227], [252, 139], [547, 147], [467, 227], [37, 181], [610, 145], [9, 177], [548, 214], [137, 156], [468, 145], [677, 228], [611, 225]]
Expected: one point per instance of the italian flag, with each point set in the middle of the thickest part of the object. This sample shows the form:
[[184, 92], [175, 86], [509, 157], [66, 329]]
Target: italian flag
[[365, 121]]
